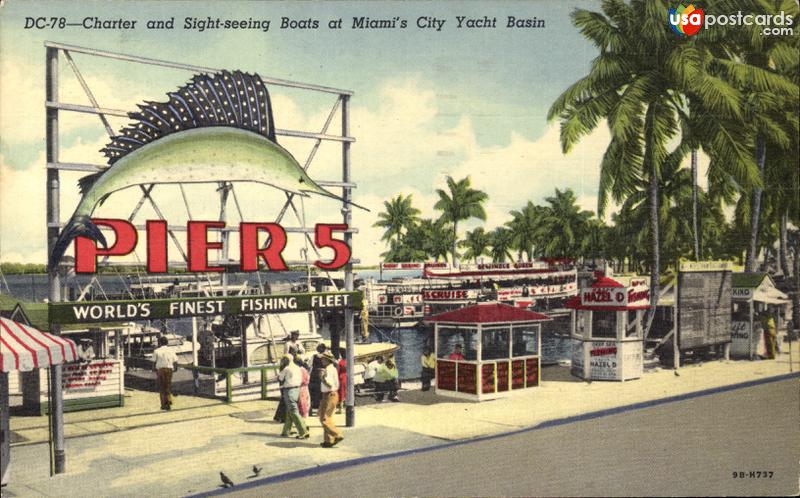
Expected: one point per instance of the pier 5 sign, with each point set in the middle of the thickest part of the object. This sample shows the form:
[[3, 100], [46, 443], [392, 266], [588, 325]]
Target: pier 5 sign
[[147, 309], [126, 239]]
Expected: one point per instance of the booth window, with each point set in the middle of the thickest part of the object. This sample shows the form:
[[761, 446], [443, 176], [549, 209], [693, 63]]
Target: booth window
[[604, 324], [495, 343], [741, 312], [582, 324], [449, 337], [631, 330], [526, 341]]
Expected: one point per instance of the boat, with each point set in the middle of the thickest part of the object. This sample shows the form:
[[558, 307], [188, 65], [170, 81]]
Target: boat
[[539, 285], [256, 341], [139, 341], [395, 304]]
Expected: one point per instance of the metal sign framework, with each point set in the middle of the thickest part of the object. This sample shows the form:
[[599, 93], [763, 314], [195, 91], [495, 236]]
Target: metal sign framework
[[54, 106]]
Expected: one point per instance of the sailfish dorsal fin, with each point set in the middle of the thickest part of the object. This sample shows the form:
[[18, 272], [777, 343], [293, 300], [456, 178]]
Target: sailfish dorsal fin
[[234, 99]]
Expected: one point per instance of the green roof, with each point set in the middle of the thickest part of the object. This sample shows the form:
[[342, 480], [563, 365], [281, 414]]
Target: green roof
[[748, 280]]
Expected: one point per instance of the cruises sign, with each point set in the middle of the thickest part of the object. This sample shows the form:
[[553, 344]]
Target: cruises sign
[[148, 309]]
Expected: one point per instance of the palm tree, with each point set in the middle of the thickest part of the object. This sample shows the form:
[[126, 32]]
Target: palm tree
[[462, 202], [527, 229], [399, 215], [566, 225], [476, 242], [766, 72], [438, 237], [502, 241], [638, 84]]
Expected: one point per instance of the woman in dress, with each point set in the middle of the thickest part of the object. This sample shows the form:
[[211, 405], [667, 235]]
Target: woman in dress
[[304, 402]]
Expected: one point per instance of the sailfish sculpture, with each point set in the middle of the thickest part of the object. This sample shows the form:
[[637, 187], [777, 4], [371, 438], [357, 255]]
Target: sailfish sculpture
[[218, 127]]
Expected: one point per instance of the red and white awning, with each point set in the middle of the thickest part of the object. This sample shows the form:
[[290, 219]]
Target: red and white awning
[[25, 348]]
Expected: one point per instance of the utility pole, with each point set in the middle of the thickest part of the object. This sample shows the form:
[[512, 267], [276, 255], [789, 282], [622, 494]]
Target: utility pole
[[350, 398], [57, 456]]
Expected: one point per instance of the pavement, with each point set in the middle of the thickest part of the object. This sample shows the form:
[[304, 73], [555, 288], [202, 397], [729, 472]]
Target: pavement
[[138, 450]]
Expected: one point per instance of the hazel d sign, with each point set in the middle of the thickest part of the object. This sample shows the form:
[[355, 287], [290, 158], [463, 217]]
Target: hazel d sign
[[148, 309]]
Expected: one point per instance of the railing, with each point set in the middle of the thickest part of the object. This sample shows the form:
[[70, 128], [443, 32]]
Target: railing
[[229, 372]]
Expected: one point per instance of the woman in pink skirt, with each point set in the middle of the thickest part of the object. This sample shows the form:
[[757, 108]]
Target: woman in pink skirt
[[304, 402]]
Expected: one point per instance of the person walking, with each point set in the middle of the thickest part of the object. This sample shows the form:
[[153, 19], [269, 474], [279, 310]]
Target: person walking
[[428, 361], [166, 361], [291, 378], [316, 374], [770, 335], [304, 401], [329, 386]]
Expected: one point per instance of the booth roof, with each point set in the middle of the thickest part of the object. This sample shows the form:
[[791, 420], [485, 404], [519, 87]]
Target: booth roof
[[24, 348], [606, 282], [748, 280], [488, 313]]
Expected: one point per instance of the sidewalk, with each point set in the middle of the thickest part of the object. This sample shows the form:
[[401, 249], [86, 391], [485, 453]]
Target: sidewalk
[[137, 450]]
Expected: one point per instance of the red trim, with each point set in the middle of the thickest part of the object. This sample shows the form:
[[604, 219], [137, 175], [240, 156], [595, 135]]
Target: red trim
[[68, 342], [482, 273], [16, 355], [488, 313], [60, 343], [37, 341], [606, 282]]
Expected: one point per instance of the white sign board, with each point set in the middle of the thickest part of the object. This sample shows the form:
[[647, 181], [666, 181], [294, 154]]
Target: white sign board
[[632, 360], [743, 342], [603, 363]]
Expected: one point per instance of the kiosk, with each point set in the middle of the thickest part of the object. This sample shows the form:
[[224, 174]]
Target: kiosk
[[500, 350], [753, 293], [607, 329]]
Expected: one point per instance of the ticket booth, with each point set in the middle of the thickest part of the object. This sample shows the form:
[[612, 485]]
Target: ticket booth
[[607, 329], [486, 351], [753, 294], [96, 380]]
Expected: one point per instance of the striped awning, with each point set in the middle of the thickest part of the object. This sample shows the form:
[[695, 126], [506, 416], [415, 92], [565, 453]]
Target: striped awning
[[24, 348]]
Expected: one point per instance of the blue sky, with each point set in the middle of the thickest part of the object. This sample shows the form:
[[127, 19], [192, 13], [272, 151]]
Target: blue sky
[[427, 104]]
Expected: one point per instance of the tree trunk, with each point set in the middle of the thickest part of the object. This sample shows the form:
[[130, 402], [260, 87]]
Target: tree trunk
[[784, 250], [755, 208], [695, 221], [455, 241], [650, 162]]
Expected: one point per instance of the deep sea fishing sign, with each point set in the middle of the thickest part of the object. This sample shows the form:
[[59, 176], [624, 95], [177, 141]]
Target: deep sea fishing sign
[[216, 128]]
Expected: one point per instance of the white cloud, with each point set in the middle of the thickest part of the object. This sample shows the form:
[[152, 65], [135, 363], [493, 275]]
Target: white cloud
[[403, 146]]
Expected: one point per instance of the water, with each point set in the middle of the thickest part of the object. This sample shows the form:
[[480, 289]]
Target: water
[[555, 334], [35, 287], [411, 342]]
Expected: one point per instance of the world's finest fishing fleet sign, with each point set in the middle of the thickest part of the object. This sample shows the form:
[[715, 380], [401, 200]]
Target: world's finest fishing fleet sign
[[148, 309]]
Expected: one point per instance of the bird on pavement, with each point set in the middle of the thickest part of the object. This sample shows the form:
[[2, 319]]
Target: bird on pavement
[[256, 470], [676, 373], [226, 481]]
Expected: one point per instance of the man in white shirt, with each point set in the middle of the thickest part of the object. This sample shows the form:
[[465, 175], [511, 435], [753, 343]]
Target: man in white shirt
[[372, 367], [290, 378], [329, 385], [165, 361]]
